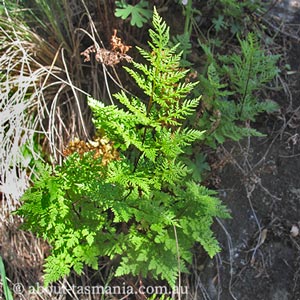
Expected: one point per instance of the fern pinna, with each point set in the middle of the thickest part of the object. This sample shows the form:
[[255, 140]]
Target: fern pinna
[[131, 207], [232, 97]]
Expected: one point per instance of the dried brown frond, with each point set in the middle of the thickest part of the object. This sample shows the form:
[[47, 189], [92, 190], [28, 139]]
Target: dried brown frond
[[100, 146], [117, 45], [109, 57]]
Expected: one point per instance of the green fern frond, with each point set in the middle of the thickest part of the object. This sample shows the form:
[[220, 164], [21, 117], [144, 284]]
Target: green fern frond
[[235, 100], [127, 208], [171, 171], [143, 81], [178, 112], [160, 34], [136, 107]]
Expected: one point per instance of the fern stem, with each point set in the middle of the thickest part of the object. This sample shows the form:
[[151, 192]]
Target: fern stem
[[188, 18], [246, 87], [188, 22], [145, 128], [178, 261]]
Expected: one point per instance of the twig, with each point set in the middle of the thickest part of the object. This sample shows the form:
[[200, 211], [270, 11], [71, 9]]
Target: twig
[[230, 249], [277, 29]]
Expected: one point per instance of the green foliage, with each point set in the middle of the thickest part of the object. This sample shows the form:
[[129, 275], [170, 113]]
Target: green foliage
[[184, 46], [233, 15], [162, 297], [143, 210], [6, 291], [231, 89], [138, 13], [197, 164]]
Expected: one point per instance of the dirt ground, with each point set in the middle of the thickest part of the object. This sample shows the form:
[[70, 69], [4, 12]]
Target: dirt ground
[[261, 186]]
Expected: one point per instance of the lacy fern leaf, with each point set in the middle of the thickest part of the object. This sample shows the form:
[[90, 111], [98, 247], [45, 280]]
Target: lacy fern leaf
[[228, 105], [129, 208]]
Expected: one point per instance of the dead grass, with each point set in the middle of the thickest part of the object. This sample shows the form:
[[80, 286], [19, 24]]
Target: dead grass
[[43, 89]]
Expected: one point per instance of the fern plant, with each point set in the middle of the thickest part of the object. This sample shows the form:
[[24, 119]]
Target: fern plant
[[233, 16], [139, 209], [232, 91], [138, 13]]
